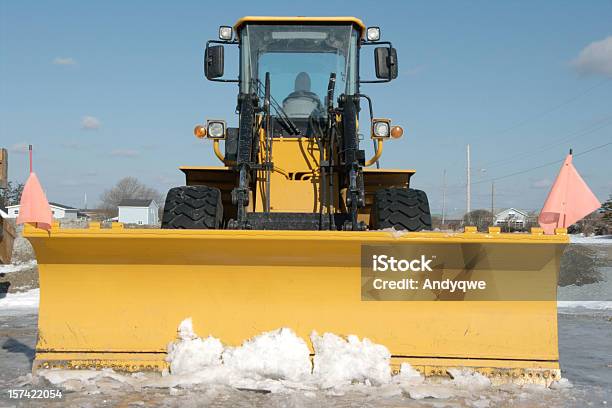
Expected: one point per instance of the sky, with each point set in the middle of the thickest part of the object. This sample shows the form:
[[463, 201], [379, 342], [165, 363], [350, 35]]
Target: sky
[[111, 89]]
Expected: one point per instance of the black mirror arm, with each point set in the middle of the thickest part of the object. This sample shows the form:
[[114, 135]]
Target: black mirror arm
[[233, 42]]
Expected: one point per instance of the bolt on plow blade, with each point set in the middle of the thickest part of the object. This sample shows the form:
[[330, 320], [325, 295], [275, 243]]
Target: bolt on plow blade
[[114, 297]]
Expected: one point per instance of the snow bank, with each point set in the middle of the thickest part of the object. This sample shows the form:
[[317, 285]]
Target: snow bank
[[338, 361], [595, 239], [190, 353], [21, 300], [278, 361], [278, 354], [469, 379], [18, 267], [585, 304]]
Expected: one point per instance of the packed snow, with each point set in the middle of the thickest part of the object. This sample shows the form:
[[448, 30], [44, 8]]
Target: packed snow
[[585, 304], [17, 267], [20, 300], [279, 362], [593, 239], [340, 361]]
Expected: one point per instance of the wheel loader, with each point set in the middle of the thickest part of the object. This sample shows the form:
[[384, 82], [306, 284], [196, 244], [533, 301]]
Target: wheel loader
[[283, 231]]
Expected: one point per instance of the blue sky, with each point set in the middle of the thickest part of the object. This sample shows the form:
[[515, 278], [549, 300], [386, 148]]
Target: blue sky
[[110, 89]]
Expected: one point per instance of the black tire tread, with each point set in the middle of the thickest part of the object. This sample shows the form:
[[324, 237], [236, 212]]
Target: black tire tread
[[193, 207], [402, 209]]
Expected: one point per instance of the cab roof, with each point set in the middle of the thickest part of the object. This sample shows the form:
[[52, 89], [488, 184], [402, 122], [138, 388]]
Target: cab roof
[[297, 20]]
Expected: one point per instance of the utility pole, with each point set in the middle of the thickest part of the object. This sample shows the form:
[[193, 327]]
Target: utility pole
[[492, 201], [444, 197], [468, 185]]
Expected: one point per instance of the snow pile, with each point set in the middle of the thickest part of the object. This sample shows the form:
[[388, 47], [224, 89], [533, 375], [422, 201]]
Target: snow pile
[[563, 383], [278, 361], [278, 355], [469, 379], [338, 361], [21, 300], [190, 353], [18, 267], [408, 375], [585, 304]]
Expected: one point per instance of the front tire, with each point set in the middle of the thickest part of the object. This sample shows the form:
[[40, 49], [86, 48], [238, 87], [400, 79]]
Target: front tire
[[193, 207], [402, 209]]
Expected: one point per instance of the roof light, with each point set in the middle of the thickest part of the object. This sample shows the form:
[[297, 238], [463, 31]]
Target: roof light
[[225, 33], [373, 33]]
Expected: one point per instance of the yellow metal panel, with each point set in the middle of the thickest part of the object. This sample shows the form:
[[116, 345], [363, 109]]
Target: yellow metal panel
[[125, 291], [298, 20]]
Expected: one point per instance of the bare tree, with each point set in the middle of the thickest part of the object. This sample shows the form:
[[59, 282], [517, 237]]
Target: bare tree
[[479, 218], [12, 194], [128, 188]]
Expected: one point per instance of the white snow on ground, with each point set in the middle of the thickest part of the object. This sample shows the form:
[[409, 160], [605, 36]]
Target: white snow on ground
[[278, 354], [341, 361], [595, 239], [190, 353], [278, 361], [22, 300], [18, 267], [585, 304]]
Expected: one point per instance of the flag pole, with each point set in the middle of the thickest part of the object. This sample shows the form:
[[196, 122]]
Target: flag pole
[[30, 151]]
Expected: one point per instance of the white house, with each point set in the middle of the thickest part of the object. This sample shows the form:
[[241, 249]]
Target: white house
[[511, 217], [59, 211], [3, 212], [144, 212]]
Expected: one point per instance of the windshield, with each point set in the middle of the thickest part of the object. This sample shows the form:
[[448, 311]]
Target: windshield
[[300, 59]]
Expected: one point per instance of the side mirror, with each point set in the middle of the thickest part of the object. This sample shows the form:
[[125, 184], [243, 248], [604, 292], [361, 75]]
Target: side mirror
[[385, 59], [213, 62]]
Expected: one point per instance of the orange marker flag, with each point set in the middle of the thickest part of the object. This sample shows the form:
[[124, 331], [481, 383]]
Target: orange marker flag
[[569, 200], [34, 207]]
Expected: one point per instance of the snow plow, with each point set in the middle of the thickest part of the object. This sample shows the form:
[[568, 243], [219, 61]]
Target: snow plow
[[299, 229]]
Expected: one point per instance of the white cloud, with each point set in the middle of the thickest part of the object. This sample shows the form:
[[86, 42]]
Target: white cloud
[[595, 58], [90, 123], [542, 183], [64, 61], [124, 153], [416, 70], [19, 148]]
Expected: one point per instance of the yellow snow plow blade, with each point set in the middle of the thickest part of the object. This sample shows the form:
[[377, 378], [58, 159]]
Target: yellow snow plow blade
[[114, 297]]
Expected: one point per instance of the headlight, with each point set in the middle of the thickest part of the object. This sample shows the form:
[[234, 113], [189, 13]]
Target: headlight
[[381, 128], [216, 129], [373, 33], [225, 33]]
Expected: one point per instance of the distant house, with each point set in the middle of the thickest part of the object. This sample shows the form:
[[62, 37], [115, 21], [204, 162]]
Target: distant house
[[3, 212], [511, 218], [59, 211], [143, 212]]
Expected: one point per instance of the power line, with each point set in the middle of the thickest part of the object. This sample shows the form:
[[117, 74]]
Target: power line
[[554, 108], [541, 166], [605, 122]]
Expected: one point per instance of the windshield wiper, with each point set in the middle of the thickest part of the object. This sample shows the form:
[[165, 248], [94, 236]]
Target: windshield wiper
[[285, 121]]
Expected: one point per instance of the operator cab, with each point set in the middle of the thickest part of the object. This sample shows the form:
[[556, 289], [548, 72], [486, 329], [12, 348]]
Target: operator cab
[[299, 59]]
